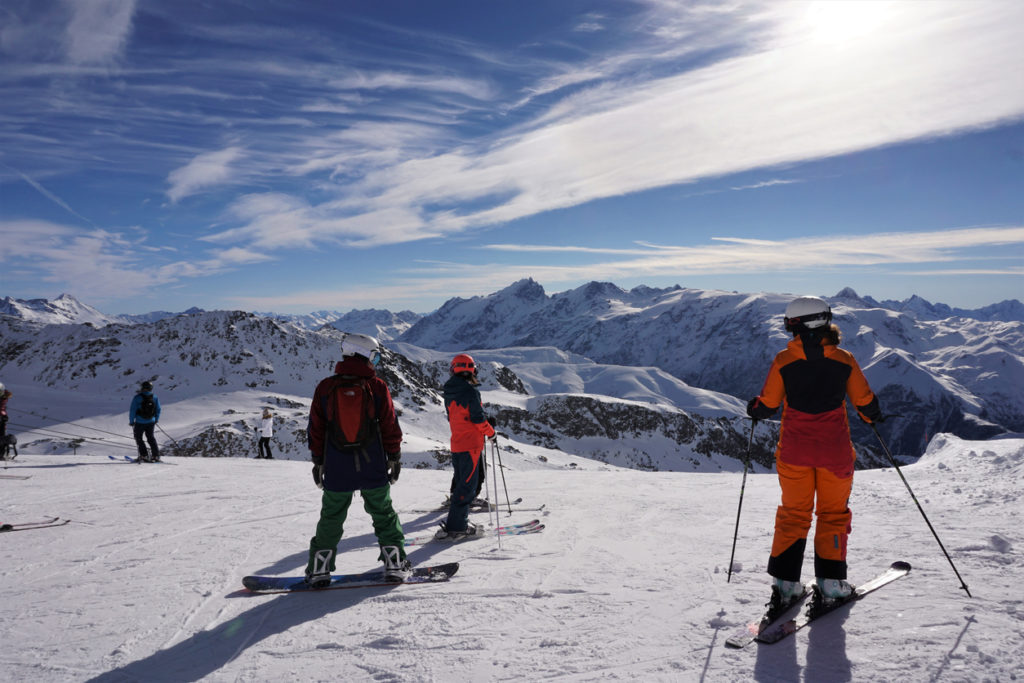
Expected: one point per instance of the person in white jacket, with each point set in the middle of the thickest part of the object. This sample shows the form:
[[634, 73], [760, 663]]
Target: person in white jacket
[[266, 430]]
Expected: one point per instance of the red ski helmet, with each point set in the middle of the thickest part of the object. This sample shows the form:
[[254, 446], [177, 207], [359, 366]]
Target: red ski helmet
[[463, 363]]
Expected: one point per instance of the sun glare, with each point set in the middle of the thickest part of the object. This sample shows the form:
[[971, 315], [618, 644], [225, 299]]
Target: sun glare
[[842, 21]]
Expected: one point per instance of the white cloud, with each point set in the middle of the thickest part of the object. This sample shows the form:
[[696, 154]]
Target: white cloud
[[96, 263], [930, 69], [204, 171], [415, 284], [98, 29]]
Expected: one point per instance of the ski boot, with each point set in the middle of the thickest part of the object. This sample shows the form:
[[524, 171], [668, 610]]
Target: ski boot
[[785, 594], [829, 594], [319, 574], [396, 568], [470, 531]]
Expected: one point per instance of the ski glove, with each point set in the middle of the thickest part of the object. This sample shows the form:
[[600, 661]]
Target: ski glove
[[491, 421], [394, 466], [758, 410], [318, 471], [872, 412]]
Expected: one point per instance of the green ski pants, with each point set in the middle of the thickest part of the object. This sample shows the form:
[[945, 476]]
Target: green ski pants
[[334, 510]]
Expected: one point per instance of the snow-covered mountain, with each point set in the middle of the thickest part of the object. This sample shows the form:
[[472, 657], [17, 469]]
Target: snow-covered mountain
[[87, 375], [154, 316], [383, 325], [697, 351], [66, 309], [63, 309], [956, 374]]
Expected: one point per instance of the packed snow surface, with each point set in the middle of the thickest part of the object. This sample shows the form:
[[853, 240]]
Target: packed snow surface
[[627, 582]]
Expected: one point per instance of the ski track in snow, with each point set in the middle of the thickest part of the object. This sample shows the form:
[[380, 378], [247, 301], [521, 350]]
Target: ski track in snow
[[627, 581]]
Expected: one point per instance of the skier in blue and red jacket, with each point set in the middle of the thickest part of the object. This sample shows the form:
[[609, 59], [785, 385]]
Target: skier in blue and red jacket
[[470, 428]]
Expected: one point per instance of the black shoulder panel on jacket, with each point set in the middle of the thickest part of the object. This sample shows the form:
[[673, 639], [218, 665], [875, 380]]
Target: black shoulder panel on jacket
[[815, 386]]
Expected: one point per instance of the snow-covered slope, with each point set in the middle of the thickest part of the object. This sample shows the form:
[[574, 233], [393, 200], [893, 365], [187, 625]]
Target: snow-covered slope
[[627, 581]]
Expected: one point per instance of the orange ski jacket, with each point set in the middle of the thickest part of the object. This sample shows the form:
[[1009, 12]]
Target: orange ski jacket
[[811, 382]]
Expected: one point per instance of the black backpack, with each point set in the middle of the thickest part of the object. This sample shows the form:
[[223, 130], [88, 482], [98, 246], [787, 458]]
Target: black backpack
[[147, 408]]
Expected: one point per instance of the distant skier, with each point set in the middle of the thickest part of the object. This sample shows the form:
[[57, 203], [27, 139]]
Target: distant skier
[[810, 379], [355, 443], [469, 427], [5, 445], [143, 416], [266, 431]]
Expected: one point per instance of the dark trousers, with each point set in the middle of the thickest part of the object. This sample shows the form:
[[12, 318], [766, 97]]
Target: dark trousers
[[467, 476], [264, 447], [147, 430]]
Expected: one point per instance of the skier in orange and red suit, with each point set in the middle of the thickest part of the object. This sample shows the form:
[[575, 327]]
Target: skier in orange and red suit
[[810, 379]]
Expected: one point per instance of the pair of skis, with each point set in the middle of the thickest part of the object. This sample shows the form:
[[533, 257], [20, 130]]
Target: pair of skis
[[765, 631], [161, 461], [483, 506], [42, 524], [534, 526]]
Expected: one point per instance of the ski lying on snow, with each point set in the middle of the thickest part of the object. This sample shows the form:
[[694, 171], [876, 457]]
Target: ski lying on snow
[[501, 508], [780, 630], [478, 505], [297, 584], [746, 635], [15, 476], [161, 461], [42, 524], [532, 527]]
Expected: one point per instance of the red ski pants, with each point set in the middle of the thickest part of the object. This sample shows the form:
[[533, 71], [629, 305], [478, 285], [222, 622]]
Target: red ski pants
[[806, 490]]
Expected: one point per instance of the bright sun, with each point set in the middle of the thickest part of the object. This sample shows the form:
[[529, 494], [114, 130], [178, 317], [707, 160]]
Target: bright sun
[[841, 21]]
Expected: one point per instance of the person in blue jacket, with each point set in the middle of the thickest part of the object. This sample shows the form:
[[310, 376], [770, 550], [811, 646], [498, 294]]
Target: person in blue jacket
[[143, 416]]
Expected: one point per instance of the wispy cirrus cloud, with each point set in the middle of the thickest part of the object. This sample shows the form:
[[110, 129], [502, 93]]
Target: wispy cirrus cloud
[[204, 171], [96, 263], [418, 282], [98, 29], [823, 251], [788, 99]]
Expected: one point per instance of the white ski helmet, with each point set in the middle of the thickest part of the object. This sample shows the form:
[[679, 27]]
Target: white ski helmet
[[360, 345], [808, 312]]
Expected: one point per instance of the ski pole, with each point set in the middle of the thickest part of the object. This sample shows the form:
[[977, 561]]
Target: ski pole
[[494, 478], [176, 446], [743, 486], [501, 468], [921, 509]]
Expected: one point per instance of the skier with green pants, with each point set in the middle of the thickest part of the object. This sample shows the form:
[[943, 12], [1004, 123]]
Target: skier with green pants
[[355, 443]]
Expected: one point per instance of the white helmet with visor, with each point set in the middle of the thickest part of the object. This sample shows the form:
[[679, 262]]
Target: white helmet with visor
[[364, 345]]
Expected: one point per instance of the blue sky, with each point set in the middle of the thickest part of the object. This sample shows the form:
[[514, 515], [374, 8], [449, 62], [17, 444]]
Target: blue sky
[[296, 156]]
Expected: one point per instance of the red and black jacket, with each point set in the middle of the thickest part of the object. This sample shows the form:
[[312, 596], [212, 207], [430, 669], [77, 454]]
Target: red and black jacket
[[364, 469]]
